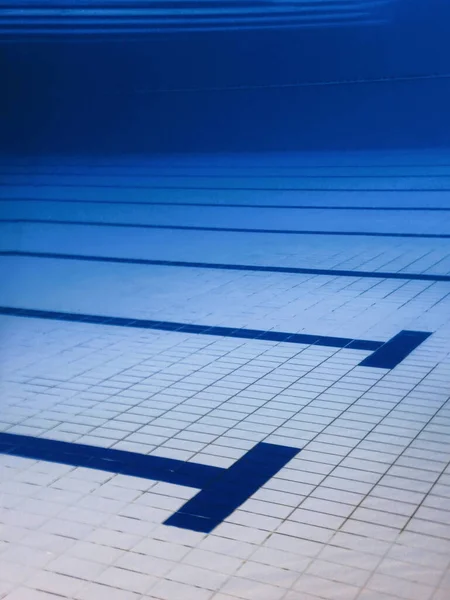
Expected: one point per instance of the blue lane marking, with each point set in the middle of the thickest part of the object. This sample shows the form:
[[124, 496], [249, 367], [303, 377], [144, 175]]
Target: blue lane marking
[[5, 167], [226, 229], [232, 267], [230, 205], [220, 498], [234, 175], [398, 348], [395, 350], [222, 490], [106, 459], [228, 188]]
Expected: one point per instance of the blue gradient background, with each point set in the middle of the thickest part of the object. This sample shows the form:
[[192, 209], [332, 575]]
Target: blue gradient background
[[99, 95]]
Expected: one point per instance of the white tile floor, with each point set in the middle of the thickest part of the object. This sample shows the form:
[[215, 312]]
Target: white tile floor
[[362, 513]]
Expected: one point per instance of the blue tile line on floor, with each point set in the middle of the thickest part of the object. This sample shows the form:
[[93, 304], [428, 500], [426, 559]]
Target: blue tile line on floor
[[228, 188], [222, 491], [224, 229], [229, 205], [231, 267], [401, 345], [5, 167], [233, 176], [385, 355]]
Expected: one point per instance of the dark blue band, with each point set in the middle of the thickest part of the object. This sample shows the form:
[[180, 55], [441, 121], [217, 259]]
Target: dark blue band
[[397, 348], [230, 267], [382, 208], [222, 490], [226, 229]]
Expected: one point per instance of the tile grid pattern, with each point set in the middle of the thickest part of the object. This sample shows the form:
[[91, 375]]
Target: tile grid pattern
[[360, 514]]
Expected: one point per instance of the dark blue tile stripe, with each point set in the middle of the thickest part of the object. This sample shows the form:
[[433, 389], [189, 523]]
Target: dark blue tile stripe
[[226, 229], [221, 497], [5, 167], [222, 490], [260, 334], [168, 470], [232, 267], [231, 205], [395, 350], [197, 188], [403, 343], [158, 175]]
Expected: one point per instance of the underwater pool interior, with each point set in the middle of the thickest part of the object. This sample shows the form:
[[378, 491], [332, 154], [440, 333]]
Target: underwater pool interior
[[225, 300]]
